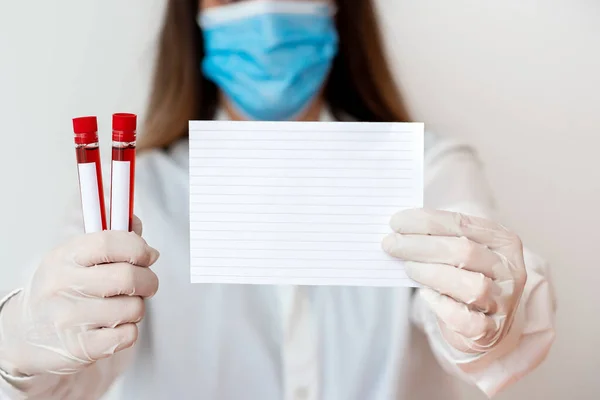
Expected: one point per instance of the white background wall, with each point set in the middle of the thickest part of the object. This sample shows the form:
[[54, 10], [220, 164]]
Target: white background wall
[[520, 79]]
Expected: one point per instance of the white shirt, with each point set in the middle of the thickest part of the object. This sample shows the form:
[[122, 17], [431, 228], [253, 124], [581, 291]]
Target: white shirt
[[266, 342]]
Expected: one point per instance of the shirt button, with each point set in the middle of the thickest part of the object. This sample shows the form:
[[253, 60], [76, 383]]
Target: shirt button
[[301, 393]]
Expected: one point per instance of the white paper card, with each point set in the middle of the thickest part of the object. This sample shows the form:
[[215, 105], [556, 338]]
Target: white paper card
[[300, 203]]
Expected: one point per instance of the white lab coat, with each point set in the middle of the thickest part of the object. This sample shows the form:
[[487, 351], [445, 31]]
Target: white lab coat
[[264, 342]]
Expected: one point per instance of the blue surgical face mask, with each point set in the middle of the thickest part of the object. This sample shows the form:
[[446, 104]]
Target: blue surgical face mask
[[270, 58]]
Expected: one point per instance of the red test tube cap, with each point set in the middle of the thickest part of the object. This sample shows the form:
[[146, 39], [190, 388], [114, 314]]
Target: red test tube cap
[[86, 130], [124, 127]]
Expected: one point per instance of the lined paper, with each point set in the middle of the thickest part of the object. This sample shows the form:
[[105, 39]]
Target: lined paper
[[300, 203]]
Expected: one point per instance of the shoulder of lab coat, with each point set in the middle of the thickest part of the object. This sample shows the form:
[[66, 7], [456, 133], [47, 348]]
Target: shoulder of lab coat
[[455, 181]]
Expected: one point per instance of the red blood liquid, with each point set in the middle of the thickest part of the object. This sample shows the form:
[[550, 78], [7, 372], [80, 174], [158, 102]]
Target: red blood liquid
[[92, 155], [127, 153]]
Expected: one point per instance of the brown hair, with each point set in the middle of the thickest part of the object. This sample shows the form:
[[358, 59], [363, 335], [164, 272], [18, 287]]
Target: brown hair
[[360, 85]]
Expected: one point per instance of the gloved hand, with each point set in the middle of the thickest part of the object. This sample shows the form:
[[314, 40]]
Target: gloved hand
[[82, 304], [472, 271]]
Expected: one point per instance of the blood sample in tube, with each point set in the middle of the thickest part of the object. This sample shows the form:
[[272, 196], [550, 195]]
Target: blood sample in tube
[[89, 170], [123, 171]]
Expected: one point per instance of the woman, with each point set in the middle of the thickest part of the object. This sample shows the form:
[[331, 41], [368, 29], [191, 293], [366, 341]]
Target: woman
[[485, 310]]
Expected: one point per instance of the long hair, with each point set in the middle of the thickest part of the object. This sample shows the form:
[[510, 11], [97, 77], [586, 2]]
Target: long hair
[[360, 85]]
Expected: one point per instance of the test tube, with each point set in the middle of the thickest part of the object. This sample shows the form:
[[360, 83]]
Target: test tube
[[90, 173], [123, 171]]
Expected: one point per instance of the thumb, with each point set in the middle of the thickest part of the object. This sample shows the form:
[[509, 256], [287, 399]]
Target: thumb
[[137, 225]]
